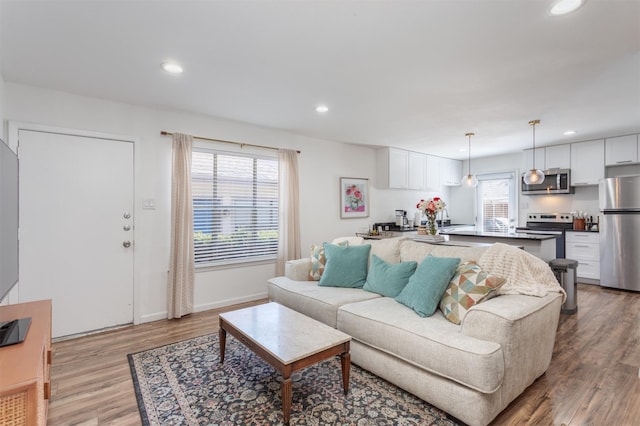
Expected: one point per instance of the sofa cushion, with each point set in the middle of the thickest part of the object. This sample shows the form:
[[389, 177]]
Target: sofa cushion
[[426, 286], [318, 260], [320, 303], [388, 279], [469, 286], [433, 344], [346, 266], [387, 249]]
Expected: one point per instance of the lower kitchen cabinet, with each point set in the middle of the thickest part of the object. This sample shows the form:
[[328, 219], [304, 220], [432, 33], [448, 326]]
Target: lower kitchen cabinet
[[585, 248]]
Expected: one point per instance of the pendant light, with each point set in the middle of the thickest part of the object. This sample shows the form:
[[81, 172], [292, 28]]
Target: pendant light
[[469, 180], [534, 176]]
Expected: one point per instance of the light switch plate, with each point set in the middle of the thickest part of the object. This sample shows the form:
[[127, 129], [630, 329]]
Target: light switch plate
[[149, 204]]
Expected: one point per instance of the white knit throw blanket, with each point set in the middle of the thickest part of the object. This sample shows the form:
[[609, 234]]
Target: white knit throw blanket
[[525, 273]]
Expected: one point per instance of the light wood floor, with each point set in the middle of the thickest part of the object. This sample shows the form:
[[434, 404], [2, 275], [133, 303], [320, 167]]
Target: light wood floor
[[593, 379]]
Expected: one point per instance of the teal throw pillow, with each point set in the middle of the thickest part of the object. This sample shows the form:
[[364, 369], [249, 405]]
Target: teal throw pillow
[[388, 279], [345, 266], [426, 287]]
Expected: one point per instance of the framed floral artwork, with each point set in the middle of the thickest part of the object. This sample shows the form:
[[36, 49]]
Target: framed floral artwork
[[354, 197]]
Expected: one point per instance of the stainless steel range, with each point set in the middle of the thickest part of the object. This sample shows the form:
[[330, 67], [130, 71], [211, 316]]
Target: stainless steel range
[[549, 224]]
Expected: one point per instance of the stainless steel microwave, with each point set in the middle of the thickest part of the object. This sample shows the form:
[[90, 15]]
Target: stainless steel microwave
[[556, 181]]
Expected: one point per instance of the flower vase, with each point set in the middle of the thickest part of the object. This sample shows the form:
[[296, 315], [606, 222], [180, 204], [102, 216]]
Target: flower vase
[[432, 225]]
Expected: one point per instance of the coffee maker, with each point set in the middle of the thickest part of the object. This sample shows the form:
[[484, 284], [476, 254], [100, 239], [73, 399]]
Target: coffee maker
[[401, 218]]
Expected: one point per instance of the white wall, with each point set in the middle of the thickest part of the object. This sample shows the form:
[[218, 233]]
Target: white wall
[[585, 198], [2, 126], [321, 164]]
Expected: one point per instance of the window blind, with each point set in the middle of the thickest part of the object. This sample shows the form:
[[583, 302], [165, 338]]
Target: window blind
[[235, 207]]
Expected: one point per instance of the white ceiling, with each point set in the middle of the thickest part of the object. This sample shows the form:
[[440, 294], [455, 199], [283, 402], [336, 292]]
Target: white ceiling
[[412, 74]]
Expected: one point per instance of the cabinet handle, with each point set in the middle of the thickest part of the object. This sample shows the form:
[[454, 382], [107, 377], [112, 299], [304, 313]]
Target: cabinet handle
[[579, 183], [625, 161], [47, 390], [581, 245]]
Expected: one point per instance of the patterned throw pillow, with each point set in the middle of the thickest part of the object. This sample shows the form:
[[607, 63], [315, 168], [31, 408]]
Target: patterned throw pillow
[[318, 260], [469, 286]]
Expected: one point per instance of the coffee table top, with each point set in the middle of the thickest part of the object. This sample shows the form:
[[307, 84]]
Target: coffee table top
[[284, 333]]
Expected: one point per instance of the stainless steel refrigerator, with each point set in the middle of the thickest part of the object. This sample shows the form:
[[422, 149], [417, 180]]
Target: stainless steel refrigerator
[[620, 232]]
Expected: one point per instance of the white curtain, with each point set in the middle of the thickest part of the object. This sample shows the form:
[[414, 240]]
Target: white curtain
[[181, 268], [288, 210]]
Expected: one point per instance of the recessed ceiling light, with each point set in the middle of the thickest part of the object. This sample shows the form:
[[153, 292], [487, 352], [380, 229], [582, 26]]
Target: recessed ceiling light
[[172, 68], [322, 108], [562, 7], [569, 132]]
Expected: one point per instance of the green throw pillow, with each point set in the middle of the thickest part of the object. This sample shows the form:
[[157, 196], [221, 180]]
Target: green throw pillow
[[346, 266], [388, 279], [425, 288]]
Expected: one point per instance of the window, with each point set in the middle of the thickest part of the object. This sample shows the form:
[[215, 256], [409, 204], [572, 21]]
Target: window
[[235, 207], [497, 202]]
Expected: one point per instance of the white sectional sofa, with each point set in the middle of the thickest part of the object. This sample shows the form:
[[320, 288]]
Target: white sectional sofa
[[472, 370]]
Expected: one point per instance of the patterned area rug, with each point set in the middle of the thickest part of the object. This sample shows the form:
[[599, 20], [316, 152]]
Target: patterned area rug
[[184, 384]]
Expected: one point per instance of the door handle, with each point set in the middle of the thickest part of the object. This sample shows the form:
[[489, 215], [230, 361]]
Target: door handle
[[126, 244]]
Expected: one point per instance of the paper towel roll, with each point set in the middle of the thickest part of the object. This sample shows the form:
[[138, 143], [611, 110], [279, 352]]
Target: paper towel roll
[[417, 218]]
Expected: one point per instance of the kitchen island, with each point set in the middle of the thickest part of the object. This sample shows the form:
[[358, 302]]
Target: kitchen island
[[542, 246]]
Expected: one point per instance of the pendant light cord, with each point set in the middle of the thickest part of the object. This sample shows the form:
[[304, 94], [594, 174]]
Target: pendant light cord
[[533, 123], [469, 165]]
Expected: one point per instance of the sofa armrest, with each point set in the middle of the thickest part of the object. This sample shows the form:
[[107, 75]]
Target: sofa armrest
[[297, 270], [525, 327]]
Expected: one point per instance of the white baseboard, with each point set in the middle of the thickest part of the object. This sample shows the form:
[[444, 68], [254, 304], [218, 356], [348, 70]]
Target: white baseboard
[[229, 302], [205, 307]]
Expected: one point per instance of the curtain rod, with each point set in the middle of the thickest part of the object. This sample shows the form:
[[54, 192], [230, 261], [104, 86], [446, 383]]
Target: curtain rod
[[242, 144]]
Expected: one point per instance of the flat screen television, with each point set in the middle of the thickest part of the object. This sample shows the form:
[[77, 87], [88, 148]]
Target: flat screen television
[[8, 219]]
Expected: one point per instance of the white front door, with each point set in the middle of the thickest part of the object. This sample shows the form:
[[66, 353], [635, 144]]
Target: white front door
[[76, 217]]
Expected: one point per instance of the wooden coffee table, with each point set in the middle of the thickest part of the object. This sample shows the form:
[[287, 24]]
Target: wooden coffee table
[[286, 339]]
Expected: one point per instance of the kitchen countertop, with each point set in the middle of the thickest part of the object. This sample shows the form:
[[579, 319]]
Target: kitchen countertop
[[513, 235]]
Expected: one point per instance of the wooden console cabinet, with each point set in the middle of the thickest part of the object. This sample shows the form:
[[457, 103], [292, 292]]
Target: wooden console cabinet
[[25, 385]]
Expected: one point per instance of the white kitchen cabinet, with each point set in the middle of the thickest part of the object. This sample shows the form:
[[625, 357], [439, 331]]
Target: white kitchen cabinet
[[585, 248], [549, 157], [450, 172], [392, 168], [527, 161], [417, 170], [433, 173], [587, 162], [621, 150], [557, 156], [400, 169]]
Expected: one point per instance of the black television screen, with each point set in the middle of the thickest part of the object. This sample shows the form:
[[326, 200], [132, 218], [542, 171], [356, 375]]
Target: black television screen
[[8, 219]]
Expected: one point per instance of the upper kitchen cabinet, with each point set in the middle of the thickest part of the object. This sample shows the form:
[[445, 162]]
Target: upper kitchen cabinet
[[557, 156], [400, 169], [587, 162], [433, 173], [450, 172], [621, 150], [417, 170], [549, 157]]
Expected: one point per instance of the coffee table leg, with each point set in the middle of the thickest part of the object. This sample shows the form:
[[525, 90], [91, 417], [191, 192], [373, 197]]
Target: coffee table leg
[[287, 395], [345, 360], [222, 333]]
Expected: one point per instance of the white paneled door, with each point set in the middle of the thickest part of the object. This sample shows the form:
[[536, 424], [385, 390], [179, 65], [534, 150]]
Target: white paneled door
[[76, 229]]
